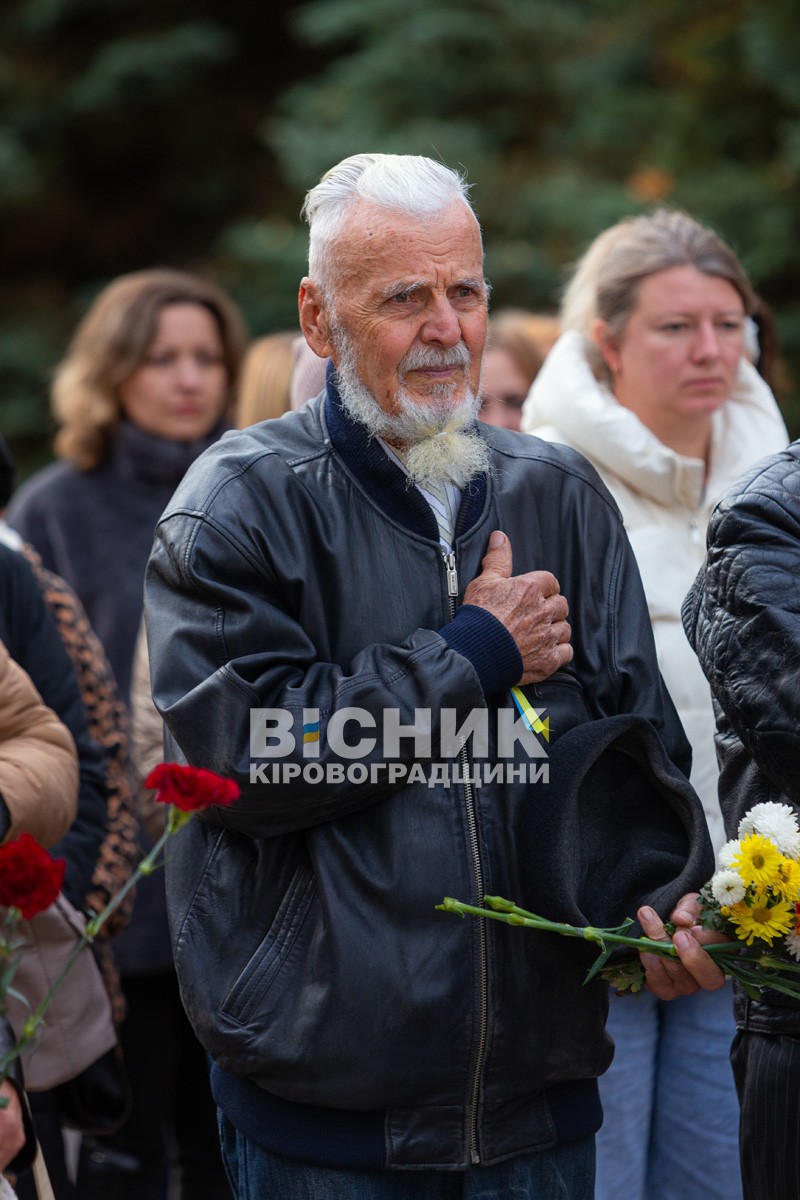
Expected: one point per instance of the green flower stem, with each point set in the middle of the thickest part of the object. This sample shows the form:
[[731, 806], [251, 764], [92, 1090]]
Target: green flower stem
[[753, 972], [145, 867], [505, 910], [778, 964], [515, 916]]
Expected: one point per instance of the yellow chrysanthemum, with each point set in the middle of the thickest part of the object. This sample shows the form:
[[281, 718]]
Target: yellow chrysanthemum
[[758, 921], [758, 861], [789, 872]]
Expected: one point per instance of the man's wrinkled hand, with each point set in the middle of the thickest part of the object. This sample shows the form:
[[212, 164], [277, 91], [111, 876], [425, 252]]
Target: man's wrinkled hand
[[693, 970], [530, 606]]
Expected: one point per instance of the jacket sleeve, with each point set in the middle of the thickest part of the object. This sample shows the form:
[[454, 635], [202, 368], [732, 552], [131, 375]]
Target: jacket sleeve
[[30, 518], [223, 642], [743, 619], [33, 640], [640, 688], [38, 762]]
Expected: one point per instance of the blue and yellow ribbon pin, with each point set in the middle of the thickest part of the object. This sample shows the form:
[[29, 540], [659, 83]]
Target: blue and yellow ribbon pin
[[530, 715]]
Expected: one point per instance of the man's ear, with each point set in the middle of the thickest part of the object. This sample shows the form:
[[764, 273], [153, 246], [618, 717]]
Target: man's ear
[[607, 344], [314, 318]]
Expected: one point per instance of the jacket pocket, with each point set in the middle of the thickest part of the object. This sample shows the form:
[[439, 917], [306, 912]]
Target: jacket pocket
[[246, 995], [560, 700]]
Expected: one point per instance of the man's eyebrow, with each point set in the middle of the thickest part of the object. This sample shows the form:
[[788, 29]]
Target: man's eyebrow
[[404, 285], [479, 283]]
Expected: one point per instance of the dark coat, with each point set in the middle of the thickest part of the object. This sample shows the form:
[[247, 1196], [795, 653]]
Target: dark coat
[[95, 530], [743, 618], [29, 631]]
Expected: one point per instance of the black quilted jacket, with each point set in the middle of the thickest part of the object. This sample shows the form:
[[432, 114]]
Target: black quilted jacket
[[743, 619]]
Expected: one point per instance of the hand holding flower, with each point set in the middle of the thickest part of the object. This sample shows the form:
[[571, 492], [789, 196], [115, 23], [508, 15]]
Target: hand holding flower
[[12, 1129], [694, 969], [752, 902]]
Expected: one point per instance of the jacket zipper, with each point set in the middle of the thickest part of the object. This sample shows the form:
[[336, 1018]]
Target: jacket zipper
[[472, 831]]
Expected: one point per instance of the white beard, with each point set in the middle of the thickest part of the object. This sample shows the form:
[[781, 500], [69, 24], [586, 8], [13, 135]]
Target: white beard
[[438, 440]]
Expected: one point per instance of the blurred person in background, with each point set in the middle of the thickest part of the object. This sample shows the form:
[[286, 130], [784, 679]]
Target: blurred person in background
[[107, 723], [266, 378], [511, 362], [147, 384], [652, 382], [38, 795], [542, 329], [38, 762], [42, 623], [29, 633], [308, 374], [280, 372]]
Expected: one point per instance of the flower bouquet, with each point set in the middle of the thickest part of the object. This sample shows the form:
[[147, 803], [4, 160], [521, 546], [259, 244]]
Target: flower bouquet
[[30, 881], [753, 900]]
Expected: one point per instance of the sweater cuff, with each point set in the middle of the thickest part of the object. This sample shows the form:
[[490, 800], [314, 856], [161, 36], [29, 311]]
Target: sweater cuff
[[485, 642]]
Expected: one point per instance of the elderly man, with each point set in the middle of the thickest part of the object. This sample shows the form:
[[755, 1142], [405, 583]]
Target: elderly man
[[335, 621]]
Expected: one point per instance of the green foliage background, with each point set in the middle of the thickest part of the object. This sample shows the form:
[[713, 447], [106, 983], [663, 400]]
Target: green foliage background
[[141, 132]]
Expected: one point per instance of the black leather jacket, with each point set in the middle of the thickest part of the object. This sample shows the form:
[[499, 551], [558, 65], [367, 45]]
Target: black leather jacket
[[296, 570], [743, 618]]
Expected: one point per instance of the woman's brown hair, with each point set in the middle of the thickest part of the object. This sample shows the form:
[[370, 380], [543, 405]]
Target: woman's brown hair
[[110, 344]]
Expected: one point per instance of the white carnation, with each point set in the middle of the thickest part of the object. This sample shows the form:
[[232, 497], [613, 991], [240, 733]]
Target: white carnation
[[728, 853], [727, 887], [776, 822], [792, 942]]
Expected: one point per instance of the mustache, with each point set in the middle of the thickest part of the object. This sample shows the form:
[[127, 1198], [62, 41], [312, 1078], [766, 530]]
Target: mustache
[[429, 356]]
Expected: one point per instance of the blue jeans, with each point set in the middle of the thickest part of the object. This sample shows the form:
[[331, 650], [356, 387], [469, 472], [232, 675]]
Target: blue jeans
[[671, 1125], [255, 1174]]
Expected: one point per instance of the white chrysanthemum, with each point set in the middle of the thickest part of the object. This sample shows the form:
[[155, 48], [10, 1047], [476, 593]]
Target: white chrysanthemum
[[776, 822], [792, 943], [728, 853], [728, 887]]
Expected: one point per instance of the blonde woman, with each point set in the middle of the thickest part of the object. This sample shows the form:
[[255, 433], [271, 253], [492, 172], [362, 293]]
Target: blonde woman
[[651, 380]]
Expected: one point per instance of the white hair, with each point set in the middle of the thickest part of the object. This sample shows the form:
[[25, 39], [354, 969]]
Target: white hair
[[404, 183]]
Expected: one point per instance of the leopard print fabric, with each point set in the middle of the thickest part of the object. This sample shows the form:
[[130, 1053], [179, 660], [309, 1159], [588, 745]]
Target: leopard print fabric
[[107, 719]]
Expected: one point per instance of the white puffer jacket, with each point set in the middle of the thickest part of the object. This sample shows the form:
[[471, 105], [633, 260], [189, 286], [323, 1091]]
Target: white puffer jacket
[[665, 507]]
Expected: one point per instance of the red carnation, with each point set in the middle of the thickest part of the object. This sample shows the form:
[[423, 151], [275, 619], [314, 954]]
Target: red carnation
[[30, 879], [190, 788]]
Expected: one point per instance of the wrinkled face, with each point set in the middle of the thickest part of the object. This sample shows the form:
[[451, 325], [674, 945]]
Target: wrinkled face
[[503, 389], [179, 389], [410, 301], [679, 353]]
